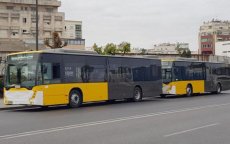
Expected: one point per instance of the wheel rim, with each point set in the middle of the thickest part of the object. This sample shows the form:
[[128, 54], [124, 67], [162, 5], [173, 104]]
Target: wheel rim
[[137, 94], [189, 91], [75, 98], [218, 89]]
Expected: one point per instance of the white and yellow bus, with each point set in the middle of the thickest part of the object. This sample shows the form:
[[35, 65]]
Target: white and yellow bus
[[188, 77], [66, 77]]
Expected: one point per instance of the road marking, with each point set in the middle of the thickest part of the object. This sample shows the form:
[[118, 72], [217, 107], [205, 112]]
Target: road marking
[[190, 130], [57, 129]]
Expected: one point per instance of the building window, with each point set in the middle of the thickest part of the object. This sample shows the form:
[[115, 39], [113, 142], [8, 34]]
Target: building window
[[9, 7], [33, 8], [24, 20], [14, 33], [78, 27], [49, 9], [24, 31]]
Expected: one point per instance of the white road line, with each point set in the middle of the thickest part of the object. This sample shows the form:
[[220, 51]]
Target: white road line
[[190, 130], [51, 130]]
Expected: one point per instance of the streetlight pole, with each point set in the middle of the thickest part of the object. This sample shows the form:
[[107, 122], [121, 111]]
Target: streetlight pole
[[36, 25]]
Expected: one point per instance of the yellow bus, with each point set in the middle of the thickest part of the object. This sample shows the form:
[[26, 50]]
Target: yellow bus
[[67, 77], [188, 77]]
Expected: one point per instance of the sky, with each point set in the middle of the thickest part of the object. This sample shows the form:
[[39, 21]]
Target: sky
[[144, 23]]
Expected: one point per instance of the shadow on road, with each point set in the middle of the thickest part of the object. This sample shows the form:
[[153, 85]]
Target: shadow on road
[[85, 106], [194, 96], [98, 105]]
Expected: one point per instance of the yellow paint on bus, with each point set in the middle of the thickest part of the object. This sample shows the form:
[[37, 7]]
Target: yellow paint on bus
[[179, 87], [57, 94]]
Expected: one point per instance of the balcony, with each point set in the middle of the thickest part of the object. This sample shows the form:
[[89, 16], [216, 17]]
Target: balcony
[[207, 49], [32, 2]]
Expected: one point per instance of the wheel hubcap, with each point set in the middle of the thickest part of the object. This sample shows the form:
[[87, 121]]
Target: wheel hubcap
[[137, 94], [189, 91], [75, 98], [218, 89]]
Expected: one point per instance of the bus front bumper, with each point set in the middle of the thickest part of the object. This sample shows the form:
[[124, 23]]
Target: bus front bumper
[[167, 89], [23, 98]]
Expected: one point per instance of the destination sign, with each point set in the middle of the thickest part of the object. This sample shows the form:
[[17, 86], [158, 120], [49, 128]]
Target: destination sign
[[21, 57]]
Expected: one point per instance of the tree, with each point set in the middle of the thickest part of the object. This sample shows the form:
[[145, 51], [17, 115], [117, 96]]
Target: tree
[[179, 49], [97, 49], [189, 54], [110, 49], [124, 47], [183, 52], [143, 51], [56, 41]]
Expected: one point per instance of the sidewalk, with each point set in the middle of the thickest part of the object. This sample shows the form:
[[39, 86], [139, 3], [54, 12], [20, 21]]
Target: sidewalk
[[8, 107]]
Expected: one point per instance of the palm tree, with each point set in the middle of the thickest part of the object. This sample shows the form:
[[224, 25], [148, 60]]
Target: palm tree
[[56, 42]]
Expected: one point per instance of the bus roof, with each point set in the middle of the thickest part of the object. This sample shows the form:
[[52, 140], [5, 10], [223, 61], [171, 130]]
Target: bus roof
[[79, 52]]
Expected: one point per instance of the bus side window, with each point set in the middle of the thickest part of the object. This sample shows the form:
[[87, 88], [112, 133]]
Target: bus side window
[[51, 73]]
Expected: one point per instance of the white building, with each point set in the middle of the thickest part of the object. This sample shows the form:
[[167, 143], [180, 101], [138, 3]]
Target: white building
[[222, 48], [212, 32], [167, 48], [72, 29]]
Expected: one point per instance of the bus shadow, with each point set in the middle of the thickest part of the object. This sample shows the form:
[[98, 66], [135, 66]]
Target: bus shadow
[[194, 96], [86, 105]]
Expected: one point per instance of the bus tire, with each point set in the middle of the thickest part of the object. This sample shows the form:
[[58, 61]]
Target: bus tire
[[75, 99], [163, 95], [189, 90], [218, 88], [44, 107], [137, 94]]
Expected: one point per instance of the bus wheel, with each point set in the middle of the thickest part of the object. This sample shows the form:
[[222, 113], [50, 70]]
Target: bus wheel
[[44, 107], [189, 91], [218, 88], [163, 96], [137, 95], [75, 99]]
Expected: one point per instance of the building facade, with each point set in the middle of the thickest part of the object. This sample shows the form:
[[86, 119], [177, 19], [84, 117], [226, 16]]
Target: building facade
[[18, 24], [211, 33], [168, 48], [73, 34], [222, 48]]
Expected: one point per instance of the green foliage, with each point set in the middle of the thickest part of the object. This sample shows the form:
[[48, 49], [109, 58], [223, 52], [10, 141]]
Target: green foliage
[[143, 51], [113, 49], [186, 54], [97, 49], [110, 49], [183, 52], [124, 47], [189, 54], [56, 42]]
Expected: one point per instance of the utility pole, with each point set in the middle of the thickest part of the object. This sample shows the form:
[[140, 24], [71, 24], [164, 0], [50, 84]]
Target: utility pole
[[37, 25]]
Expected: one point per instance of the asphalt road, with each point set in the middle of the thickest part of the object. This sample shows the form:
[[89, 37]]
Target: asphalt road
[[177, 120]]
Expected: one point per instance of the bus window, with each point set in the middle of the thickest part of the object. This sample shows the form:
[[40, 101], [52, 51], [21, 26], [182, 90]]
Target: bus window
[[97, 73], [51, 73], [166, 75]]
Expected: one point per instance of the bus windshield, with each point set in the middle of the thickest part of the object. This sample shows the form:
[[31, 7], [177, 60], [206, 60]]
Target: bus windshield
[[21, 70]]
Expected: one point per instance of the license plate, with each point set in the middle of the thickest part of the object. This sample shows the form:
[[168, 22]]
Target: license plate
[[17, 86]]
